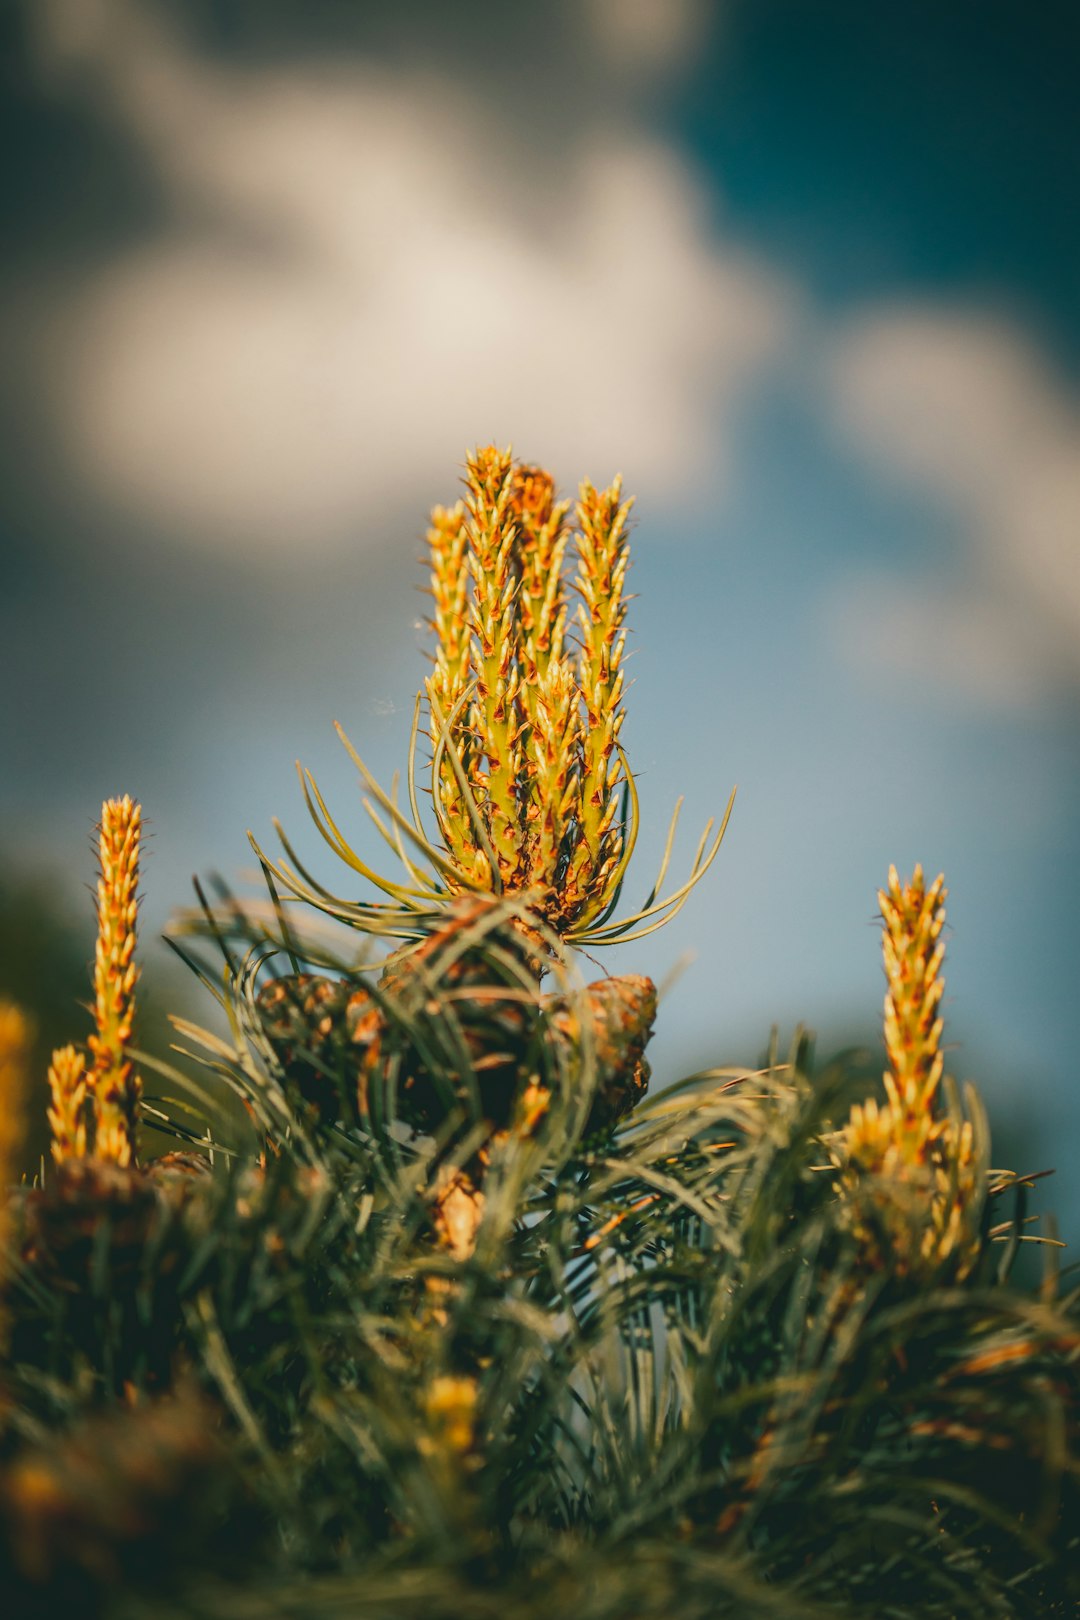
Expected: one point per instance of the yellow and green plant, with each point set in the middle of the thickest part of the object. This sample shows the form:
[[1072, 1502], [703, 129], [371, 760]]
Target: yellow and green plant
[[532, 793], [434, 1311], [915, 1171]]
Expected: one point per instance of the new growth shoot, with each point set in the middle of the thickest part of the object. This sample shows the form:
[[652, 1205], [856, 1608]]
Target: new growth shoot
[[912, 1141], [532, 793], [94, 1109]]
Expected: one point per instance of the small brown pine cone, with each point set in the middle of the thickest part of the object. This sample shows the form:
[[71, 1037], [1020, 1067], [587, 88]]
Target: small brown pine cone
[[82, 1198], [622, 1012], [466, 992], [453, 1017], [325, 1034], [188, 1165], [178, 1176]]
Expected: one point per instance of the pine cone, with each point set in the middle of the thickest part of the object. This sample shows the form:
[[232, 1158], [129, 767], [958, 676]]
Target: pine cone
[[177, 1169], [445, 1016], [326, 1034], [82, 1200], [466, 992], [456, 1012], [623, 1011]]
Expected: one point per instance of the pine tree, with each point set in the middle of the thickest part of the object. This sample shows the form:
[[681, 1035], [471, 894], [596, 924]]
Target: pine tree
[[435, 1310]]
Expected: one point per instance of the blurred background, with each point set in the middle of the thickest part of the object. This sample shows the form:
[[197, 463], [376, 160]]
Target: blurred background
[[806, 275]]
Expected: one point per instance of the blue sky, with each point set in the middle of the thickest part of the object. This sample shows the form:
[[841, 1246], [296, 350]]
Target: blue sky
[[806, 275]]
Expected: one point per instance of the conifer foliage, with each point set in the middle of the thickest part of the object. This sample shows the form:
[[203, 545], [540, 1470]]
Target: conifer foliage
[[435, 1310]]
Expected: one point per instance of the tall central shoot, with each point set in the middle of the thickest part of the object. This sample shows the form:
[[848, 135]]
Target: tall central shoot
[[531, 791], [528, 773]]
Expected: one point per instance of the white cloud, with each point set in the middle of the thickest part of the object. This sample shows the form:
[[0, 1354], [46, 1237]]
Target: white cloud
[[970, 638], [647, 36], [966, 409], [353, 290]]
